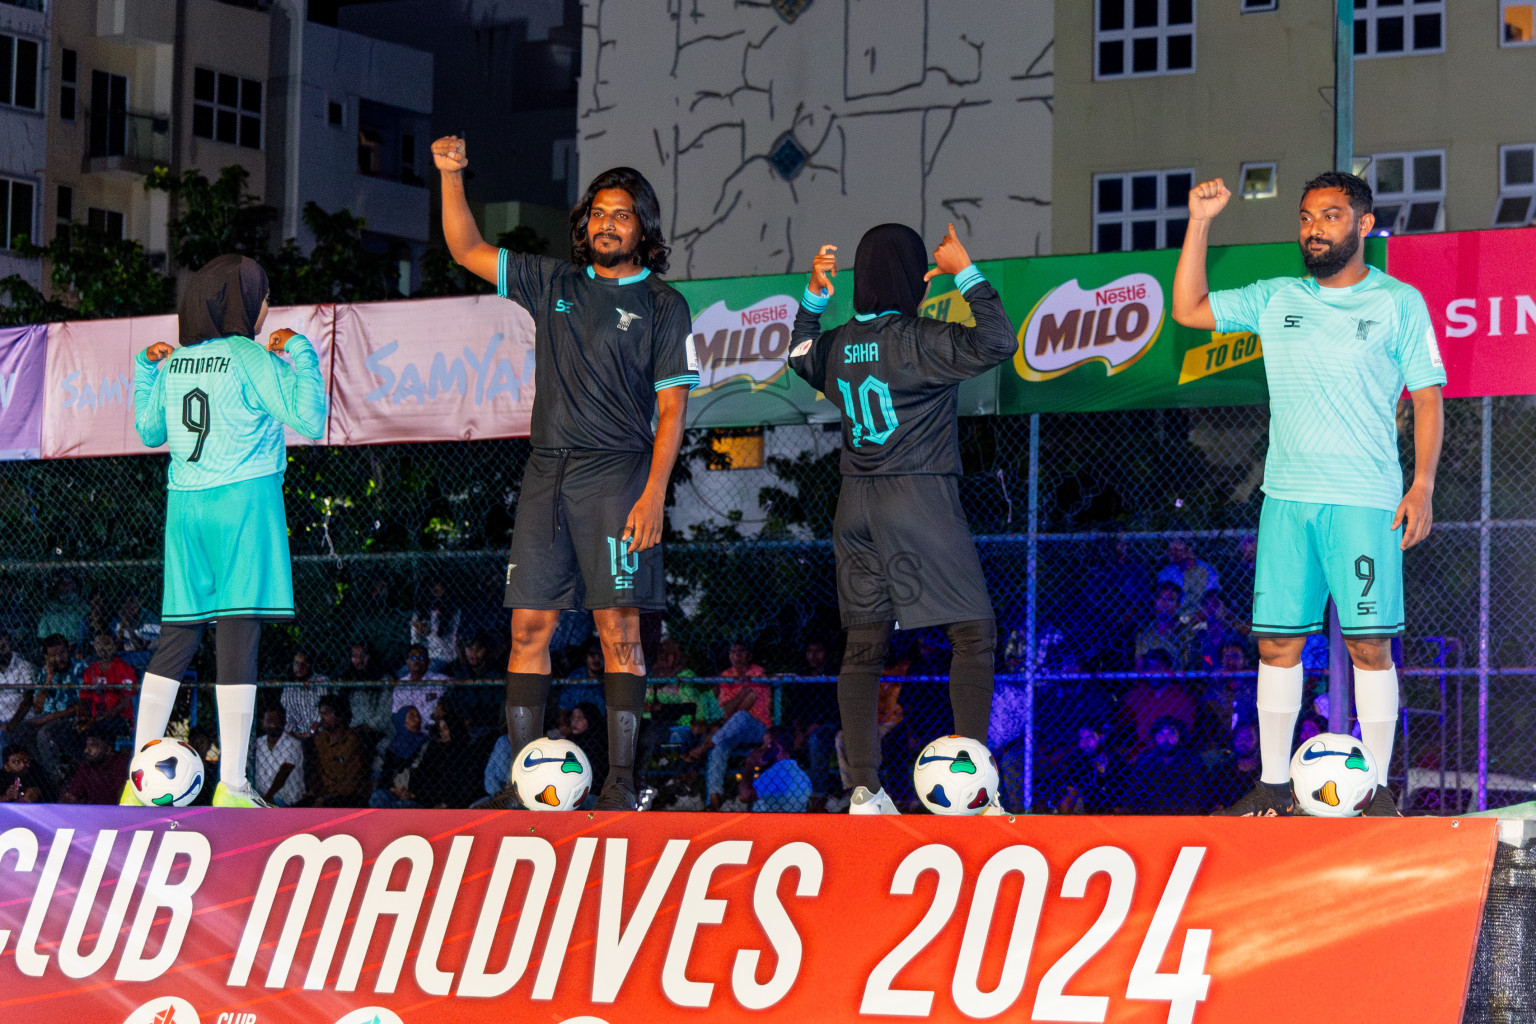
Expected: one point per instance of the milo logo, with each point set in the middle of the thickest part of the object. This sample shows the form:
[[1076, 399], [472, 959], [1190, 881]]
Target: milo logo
[[750, 343], [1115, 324]]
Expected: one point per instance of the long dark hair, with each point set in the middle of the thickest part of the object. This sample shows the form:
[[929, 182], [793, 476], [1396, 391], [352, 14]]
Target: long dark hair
[[653, 250]]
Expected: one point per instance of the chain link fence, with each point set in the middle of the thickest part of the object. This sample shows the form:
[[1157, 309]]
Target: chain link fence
[[1115, 693]]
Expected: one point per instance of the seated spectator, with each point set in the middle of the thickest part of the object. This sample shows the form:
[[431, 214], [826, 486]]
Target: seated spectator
[[107, 688], [301, 701], [1081, 778], [742, 667], [813, 660], [1156, 696], [445, 775], [678, 705], [1192, 576], [585, 680], [418, 678], [17, 676], [591, 666], [1211, 629], [475, 662], [1236, 768], [435, 626], [745, 710], [279, 760], [65, 612], [370, 706], [1166, 778], [19, 781], [482, 705], [363, 665], [498, 766], [340, 776], [50, 729], [779, 784], [98, 775], [1162, 632], [401, 756], [134, 628], [587, 727]]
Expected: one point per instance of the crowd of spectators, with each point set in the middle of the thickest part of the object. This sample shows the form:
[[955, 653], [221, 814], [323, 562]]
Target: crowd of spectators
[[1145, 706]]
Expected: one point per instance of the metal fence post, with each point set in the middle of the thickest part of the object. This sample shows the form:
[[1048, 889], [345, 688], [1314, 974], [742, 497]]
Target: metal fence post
[[1484, 536], [1030, 593]]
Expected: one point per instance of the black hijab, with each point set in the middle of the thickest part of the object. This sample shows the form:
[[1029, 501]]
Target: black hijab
[[222, 300], [888, 271]]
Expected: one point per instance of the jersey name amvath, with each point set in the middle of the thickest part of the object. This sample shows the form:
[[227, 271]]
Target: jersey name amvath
[[602, 349], [1336, 359]]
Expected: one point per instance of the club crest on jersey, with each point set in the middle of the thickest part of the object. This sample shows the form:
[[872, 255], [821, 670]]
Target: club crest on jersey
[[1114, 324], [1363, 329], [625, 319]]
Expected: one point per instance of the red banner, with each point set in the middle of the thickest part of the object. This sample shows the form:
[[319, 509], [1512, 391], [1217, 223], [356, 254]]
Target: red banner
[[242, 917], [1481, 290]]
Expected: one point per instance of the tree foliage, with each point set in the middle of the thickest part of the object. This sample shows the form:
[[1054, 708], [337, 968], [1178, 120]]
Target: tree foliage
[[216, 217], [93, 277]]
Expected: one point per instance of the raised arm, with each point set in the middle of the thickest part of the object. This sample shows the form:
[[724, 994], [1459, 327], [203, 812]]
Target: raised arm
[[149, 394], [293, 396], [963, 352], [1191, 292], [807, 358], [461, 232]]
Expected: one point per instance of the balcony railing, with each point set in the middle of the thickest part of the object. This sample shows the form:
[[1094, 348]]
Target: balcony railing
[[130, 142]]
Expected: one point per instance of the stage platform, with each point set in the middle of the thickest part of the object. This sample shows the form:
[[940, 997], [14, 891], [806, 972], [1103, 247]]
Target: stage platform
[[367, 917]]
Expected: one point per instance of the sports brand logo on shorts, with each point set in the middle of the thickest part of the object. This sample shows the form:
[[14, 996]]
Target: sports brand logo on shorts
[[625, 319], [622, 564], [1363, 329]]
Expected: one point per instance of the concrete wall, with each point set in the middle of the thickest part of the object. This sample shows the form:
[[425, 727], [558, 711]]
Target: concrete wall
[[923, 111]]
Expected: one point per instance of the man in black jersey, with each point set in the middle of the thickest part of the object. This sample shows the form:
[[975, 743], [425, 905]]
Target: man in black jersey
[[612, 345], [905, 558]]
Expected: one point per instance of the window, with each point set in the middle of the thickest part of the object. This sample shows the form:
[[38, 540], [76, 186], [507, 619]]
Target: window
[[17, 197], [1517, 23], [1254, 6], [1257, 181], [370, 143], [65, 212], [107, 222], [226, 108], [18, 72], [736, 448], [408, 174], [333, 113], [1144, 37], [1388, 28], [562, 160], [1517, 186], [109, 114], [1141, 210], [1410, 192], [68, 77]]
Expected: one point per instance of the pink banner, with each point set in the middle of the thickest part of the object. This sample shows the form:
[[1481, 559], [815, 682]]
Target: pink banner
[[456, 369], [89, 405], [1481, 290]]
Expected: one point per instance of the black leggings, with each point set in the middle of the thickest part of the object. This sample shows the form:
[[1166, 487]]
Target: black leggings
[[858, 689], [234, 650]]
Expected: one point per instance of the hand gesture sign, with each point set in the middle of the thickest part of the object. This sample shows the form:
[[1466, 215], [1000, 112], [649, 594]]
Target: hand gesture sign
[[448, 154], [280, 339], [1207, 199], [949, 258], [823, 269], [158, 351]]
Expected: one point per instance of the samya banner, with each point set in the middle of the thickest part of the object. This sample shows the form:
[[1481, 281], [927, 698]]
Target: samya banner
[[366, 917]]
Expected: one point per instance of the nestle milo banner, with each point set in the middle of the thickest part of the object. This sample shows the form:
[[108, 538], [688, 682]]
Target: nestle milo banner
[[741, 329], [1097, 332]]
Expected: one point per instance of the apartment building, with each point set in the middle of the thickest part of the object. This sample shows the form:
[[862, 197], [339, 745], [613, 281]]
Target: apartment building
[[23, 135], [1153, 95]]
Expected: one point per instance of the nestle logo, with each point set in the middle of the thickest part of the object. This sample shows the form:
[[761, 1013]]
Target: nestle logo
[[764, 315], [1125, 293]]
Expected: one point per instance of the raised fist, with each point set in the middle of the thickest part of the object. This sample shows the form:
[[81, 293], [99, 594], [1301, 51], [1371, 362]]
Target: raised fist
[[280, 339], [158, 351], [448, 154], [1208, 198]]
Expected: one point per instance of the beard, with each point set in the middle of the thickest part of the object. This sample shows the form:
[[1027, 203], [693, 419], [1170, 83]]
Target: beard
[[613, 257], [1328, 262]]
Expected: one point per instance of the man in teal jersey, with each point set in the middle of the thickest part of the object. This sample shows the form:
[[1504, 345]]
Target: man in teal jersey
[[221, 401], [1339, 348]]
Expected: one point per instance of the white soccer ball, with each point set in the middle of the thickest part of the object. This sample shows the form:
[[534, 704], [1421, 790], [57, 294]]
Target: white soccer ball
[[955, 775], [551, 775], [1333, 776], [166, 773]]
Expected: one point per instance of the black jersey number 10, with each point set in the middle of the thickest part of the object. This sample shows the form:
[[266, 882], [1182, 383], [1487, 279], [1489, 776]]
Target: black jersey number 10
[[195, 417]]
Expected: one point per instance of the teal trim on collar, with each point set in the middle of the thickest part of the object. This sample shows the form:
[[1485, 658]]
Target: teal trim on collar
[[632, 279], [865, 318]]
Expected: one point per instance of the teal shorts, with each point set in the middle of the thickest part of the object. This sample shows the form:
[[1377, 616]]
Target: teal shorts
[[226, 553], [1309, 551]]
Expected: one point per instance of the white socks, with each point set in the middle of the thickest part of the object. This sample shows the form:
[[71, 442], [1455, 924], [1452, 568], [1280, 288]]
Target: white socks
[[1376, 707], [157, 699], [1279, 700], [237, 713]]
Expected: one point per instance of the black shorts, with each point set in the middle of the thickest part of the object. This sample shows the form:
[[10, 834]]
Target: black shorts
[[567, 546], [904, 553]]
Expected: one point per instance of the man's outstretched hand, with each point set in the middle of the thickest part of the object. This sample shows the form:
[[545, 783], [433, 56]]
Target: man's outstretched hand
[[823, 270], [949, 258], [1208, 198], [448, 154]]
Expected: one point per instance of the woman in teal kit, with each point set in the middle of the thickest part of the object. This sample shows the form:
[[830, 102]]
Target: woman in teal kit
[[220, 401]]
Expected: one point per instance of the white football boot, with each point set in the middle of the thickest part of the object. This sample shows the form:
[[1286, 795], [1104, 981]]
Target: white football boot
[[865, 802]]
